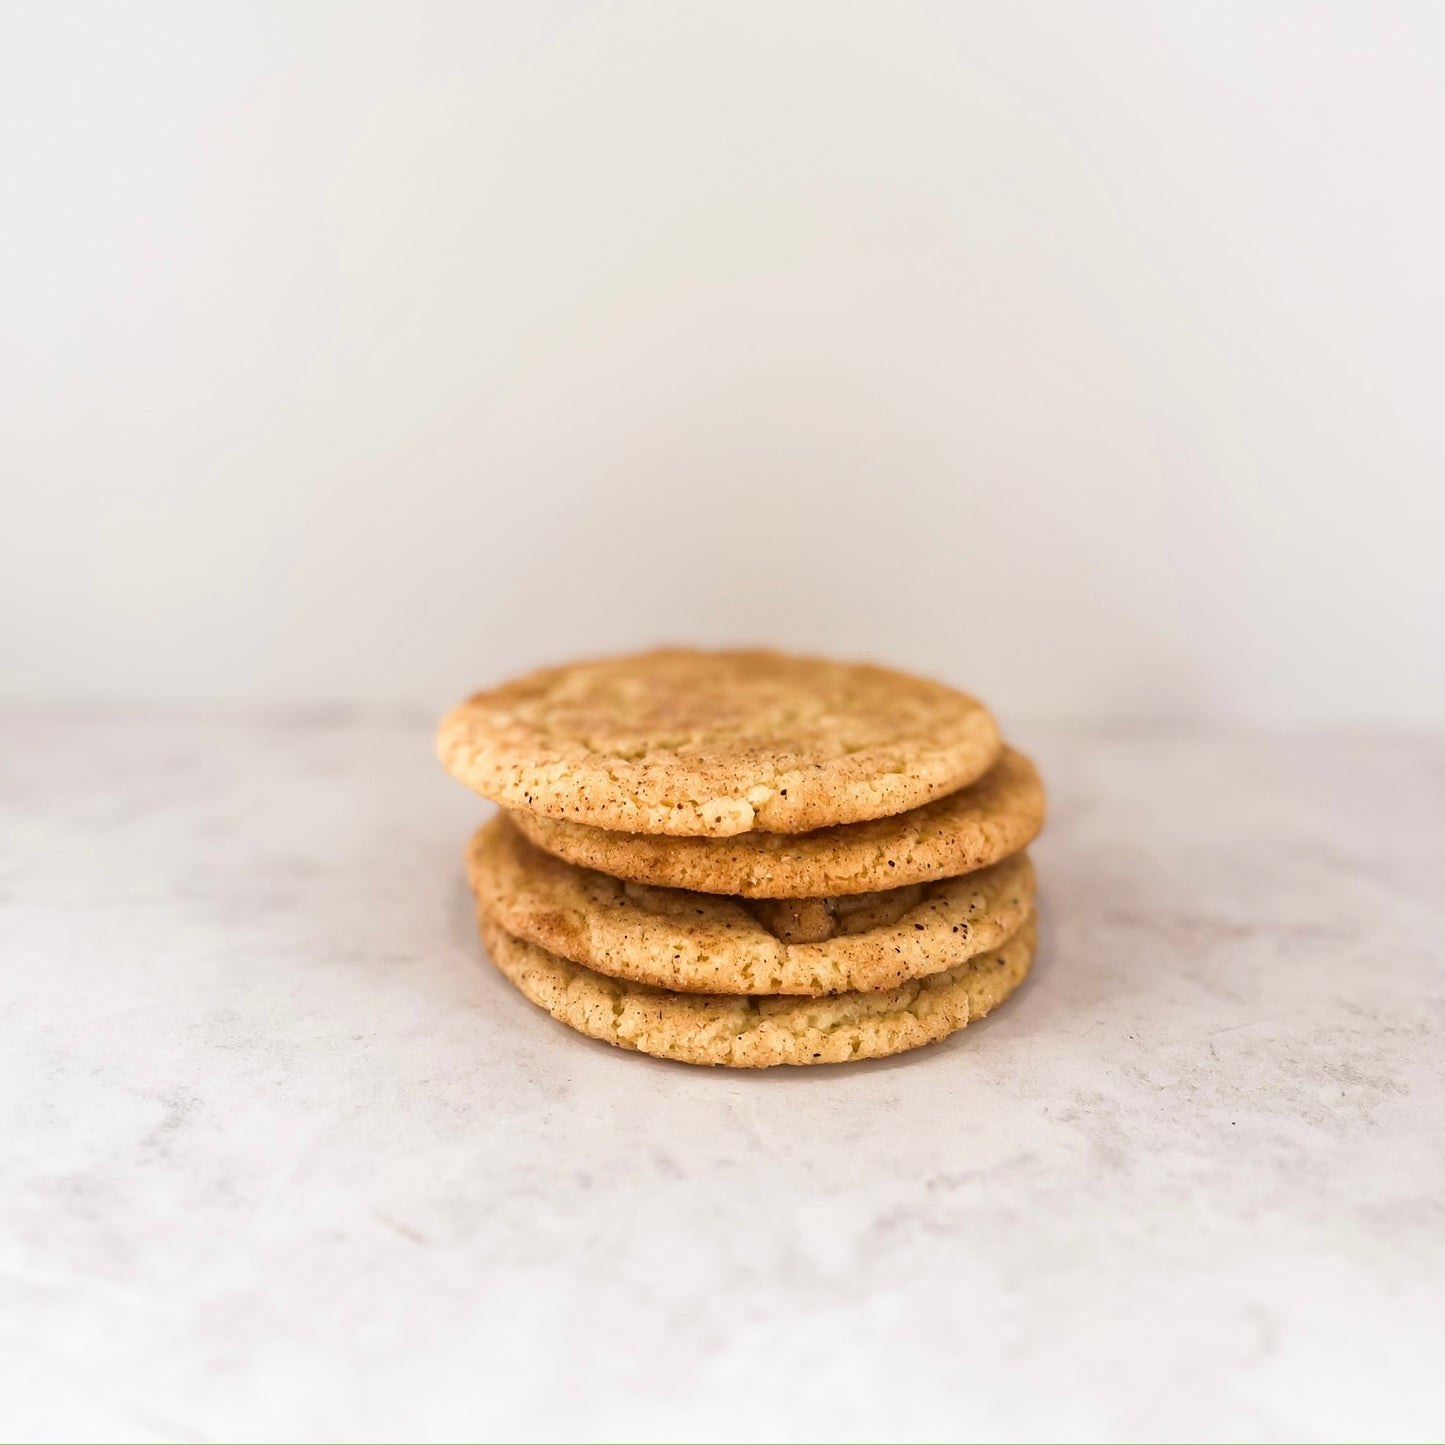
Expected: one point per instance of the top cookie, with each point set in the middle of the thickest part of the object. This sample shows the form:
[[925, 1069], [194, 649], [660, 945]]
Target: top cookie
[[712, 744]]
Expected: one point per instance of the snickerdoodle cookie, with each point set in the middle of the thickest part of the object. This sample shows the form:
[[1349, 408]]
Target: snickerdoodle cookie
[[756, 1032], [709, 943], [978, 825], [715, 744]]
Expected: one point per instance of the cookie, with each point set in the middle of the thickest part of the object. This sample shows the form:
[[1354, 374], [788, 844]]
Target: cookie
[[713, 744], [707, 943], [756, 1033], [992, 819]]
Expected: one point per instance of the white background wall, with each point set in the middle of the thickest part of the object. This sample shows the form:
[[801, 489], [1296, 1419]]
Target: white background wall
[[1086, 354]]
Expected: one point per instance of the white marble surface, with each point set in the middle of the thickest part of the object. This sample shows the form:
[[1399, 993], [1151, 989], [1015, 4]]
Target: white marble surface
[[284, 1158]]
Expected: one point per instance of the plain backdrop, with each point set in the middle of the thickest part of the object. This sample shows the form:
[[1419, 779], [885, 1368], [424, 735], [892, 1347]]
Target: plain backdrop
[[1088, 355]]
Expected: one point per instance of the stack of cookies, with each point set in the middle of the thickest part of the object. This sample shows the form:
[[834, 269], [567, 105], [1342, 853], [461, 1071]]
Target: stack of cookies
[[745, 858]]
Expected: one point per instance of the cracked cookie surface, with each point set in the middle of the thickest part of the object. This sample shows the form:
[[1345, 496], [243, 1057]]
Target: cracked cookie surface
[[758, 1032], [715, 744], [708, 943], [972, 828]]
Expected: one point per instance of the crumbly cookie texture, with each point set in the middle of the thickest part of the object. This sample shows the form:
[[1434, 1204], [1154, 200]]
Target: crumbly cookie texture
[[756, 1033], [972, 828], [707, 943], [713, 744]]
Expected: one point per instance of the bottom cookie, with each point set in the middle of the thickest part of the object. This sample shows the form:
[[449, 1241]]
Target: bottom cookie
[[758, 1031]]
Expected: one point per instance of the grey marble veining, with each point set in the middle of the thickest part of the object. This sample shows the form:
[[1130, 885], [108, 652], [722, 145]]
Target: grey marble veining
[[283, 1157]]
